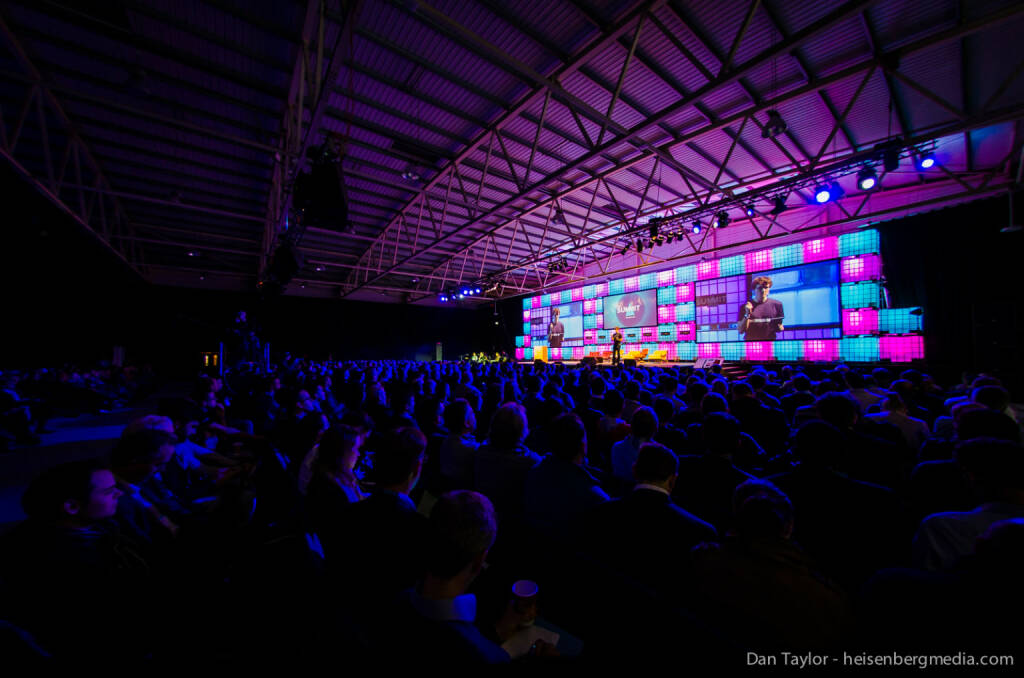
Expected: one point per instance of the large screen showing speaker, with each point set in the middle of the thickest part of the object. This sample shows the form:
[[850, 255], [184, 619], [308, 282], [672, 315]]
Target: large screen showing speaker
[[816, 299], [635, 309]]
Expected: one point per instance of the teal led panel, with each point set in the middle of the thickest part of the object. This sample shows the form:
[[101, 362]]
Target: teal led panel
[[686, 350], [648, 281], [520, 342], [859, 349], [788, 255], [528, 353], [589, 291], [666, 296], [590, 322], [685, 311], [617, 286], [788, 350], [731, 266], [526, 328], [686, 274], [566, 296], [527, 303], [858, 242], [733, 350], [860, 295], [898, 321]]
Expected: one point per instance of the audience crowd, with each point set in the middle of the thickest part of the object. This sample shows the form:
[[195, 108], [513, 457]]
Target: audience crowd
[[382, 511]]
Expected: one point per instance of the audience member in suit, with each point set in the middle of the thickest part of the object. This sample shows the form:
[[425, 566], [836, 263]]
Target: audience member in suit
[[645, 535], [625, 452], [668, 435], [501, 463], [850, 527], [707, 480], [995, 472], [435, 623], [758, 584], [560, 489], [380, 547]]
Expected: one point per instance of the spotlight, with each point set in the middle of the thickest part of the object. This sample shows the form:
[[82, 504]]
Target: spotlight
[[639, 244], [750, 211], [778, 206], [721, 219], [625, 248], [411, 175], [654, 223], [867, 179], [444, 298], [476, 291], [695, 227], [192, 253], [462, 296], [822, 194], [926, 161], [319, 269], [775, 125], [669, 238]]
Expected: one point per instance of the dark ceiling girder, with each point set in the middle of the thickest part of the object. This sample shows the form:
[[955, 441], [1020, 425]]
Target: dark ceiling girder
[[83, 21]]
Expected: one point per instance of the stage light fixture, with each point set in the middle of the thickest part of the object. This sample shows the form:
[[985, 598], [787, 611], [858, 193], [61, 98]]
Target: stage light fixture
[[653, 225], [750, 211], [778, 206], [444, 298], [192, 253], [822, 194], [626, 247], [476, 291], [927, 161], [891, 158], [695, 227], [639, 244], [867, 179], [319, 268], [721, 219], [669, 238], [775, 125]]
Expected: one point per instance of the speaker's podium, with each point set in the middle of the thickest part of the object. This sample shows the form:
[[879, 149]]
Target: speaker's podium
[[540, 353]]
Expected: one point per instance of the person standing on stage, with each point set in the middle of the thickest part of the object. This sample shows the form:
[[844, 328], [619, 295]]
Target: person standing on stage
[[617, 346], [761, 318], [556, 330]]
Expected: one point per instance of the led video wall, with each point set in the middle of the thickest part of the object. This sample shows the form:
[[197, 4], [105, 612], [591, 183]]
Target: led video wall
[[815, 300]]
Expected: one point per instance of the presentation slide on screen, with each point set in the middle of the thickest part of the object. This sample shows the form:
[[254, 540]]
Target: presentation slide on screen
[[633, 309]]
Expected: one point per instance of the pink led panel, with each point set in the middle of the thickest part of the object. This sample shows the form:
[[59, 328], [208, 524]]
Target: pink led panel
[[589, 306], [648, 333], [526, 341], [554, 354], [759, 350], [708, 351], [526, 316], [901, 349], [520, 354], [666, 278], [632, 284], [821, 249], [577, 352], [670, 349], [685, 331], [760, 260], [577, 293], [589, 336], [535, 302], [684, 293], [602, 289], [707, 269], [865, 267], [666, 314], [600, 321], [860, 321], [821, 349]]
